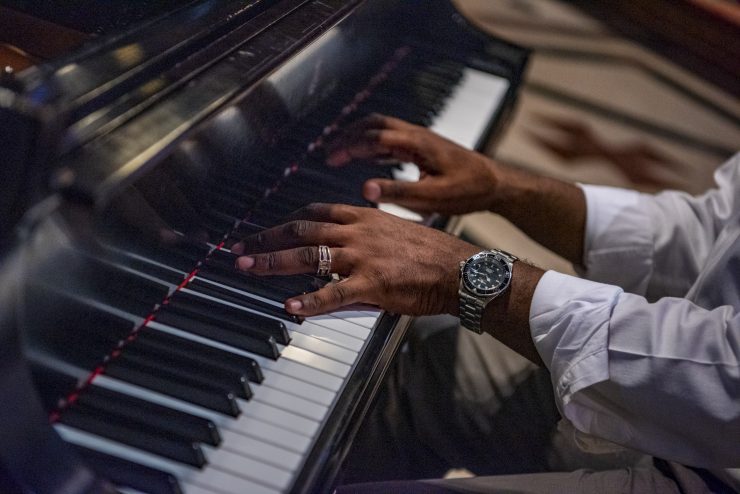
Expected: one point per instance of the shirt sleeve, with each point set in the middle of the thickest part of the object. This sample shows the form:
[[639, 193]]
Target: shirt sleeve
[[656, 245], [663, 377]]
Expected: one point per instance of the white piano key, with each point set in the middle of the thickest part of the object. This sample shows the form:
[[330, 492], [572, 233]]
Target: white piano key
[[320, 347], [407, 172], [281, 418], [188, 488], [364, 319], [329, 335], [209, 477], [337, 324], [301, 372], [273, 434], [248, 468], [296, 387], [290, 402], [236, 290], [401, 212], [470, 107], [260, 450], [320, 376], [245, 424], [310, 359], [344, 340]]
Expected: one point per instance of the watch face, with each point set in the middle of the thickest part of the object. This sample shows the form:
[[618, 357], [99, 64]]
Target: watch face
[[486, 274]]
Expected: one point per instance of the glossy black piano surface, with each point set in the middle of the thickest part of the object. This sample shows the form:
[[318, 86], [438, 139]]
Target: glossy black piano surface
[[138, 160]]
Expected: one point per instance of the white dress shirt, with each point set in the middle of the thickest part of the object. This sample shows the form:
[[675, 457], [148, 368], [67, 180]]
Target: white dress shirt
[[647, 353]]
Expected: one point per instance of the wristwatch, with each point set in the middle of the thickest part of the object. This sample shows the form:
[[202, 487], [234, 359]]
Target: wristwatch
[[483, 277]]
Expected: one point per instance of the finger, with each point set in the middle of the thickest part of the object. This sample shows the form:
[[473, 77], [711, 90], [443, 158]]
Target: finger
[[328, 213], [401, 145], [356, 130], [296, 233], [377, 121], [427, 191], [300, 260], [329, 298]]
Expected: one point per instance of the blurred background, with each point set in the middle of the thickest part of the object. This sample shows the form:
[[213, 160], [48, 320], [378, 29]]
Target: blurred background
[[641, 94]]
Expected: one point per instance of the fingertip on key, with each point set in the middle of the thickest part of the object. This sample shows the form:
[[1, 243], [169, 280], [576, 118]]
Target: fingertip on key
[[293, 306], [372, 191], [244, 263]]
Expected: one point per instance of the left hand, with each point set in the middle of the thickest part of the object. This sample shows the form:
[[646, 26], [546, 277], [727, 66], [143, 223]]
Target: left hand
[[389, 262]]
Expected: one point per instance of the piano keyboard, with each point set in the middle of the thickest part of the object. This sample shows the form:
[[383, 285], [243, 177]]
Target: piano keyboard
[[217, 390]]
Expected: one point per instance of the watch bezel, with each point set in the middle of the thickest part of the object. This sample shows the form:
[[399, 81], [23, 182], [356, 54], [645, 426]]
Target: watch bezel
[[488, 292]]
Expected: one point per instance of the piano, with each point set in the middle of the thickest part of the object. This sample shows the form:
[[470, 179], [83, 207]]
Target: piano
[[144, 139]]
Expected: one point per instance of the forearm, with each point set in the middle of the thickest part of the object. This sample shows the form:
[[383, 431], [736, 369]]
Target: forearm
[[507, 317], [550, 211]]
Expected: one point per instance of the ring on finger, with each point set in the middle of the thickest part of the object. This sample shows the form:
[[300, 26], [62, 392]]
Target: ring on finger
[[324, 268]]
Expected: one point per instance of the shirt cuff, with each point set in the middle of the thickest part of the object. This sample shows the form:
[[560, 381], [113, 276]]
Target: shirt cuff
[[618, 242], [603, 205], [569, 322]]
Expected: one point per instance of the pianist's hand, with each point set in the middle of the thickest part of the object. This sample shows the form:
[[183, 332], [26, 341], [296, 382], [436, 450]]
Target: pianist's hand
[[389, 262], [454, 180]]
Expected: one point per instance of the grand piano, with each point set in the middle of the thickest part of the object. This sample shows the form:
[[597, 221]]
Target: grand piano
[[140, 140]]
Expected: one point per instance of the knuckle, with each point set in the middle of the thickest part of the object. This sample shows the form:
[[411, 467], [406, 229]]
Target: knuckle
[[343, 212], [299, 228], [339, 294], [312, 303], [308, 256], [264, 262], [417, 139]]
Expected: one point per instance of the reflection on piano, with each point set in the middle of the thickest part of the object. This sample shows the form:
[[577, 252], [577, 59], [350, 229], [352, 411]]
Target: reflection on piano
[[148, 363]]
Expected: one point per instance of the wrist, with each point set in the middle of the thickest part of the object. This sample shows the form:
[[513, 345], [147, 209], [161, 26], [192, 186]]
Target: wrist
[[510, 189], [506, 318]]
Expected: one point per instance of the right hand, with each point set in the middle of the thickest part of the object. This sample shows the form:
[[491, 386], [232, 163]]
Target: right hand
[[454, 180]]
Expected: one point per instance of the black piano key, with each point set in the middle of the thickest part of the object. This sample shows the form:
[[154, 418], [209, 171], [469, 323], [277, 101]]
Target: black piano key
[[189, 249], [150, 415], [152, 269], [243, 230], [90, 420], [247, 283], [165, 342], [292, 284], [127, 284], [218, 221], [228, 204], [262, 345], [222, 293], [205, 396], [72, 330], [218, 314], [189, 370], [125, 473]]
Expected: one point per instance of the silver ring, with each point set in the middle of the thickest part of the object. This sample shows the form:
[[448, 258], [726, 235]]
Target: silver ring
[[324, 261]]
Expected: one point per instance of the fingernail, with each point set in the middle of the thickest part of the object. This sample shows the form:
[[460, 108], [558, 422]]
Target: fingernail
[[237, 248], [244, 263], [293, 305], [372, 191]]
